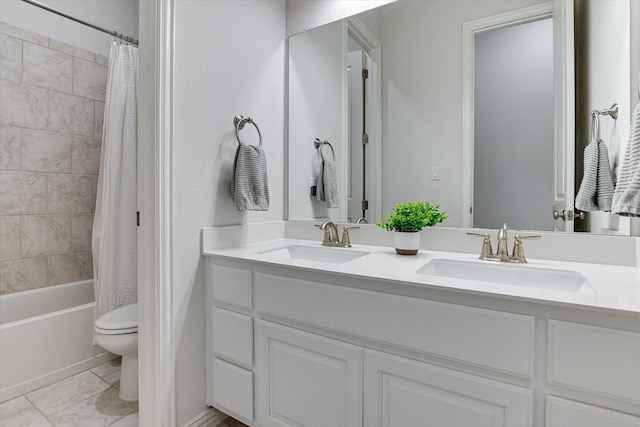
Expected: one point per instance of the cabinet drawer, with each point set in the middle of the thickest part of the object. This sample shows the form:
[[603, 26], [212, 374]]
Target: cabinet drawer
[[231, 286], [601, 361], [232, 336], [232, 390], [491, 339], [564, 413]]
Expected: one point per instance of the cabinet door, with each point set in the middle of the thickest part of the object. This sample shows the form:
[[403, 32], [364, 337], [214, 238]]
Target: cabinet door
[[404, 393], [305, 380], [567, 413]]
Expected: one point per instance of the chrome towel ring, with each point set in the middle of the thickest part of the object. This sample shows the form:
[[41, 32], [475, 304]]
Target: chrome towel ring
[[320, 145], [239, 122], [595, 120]]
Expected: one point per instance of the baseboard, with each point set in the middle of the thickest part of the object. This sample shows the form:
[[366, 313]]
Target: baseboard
[[207, 418], [35, 383]]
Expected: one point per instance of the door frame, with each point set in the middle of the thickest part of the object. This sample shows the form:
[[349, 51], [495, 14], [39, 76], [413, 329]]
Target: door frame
[[156, 329], [564, 130]]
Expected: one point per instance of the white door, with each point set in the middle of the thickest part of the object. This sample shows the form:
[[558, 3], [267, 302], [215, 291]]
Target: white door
[[405, 393], [304, 380]]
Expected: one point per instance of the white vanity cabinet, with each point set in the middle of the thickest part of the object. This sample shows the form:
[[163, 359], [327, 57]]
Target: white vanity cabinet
[[287, 347]]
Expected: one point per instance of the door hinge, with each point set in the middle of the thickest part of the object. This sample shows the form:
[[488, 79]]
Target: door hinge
[[471, 210], [365, 73], [138, 218], [365, 138], [365, 205]]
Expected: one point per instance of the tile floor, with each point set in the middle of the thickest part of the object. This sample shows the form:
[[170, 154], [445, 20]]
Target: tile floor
[[87, 399]]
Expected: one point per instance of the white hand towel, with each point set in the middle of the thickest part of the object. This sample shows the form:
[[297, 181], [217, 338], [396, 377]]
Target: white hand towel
[[626, 198], [596, 189], [249, 184]]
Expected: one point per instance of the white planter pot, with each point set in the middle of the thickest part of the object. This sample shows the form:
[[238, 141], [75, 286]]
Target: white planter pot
[[406, 243]]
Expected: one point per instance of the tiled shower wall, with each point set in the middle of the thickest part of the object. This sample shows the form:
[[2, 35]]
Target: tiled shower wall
[[51, 115]]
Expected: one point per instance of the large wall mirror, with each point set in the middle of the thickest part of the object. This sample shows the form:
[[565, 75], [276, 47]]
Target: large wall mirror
[[469, 104]]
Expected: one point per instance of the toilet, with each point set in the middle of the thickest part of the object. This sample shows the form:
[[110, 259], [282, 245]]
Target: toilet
[[117, 332]]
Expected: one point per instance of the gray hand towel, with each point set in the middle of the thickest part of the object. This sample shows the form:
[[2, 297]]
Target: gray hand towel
[[329, 183], [249, 185], [626, 198], [596, 188]]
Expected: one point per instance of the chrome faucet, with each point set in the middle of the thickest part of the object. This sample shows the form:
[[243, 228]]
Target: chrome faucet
[[502, 253], [331, 237]]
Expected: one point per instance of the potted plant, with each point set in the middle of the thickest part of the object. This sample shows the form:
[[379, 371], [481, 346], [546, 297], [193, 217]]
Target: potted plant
[[407, 220]]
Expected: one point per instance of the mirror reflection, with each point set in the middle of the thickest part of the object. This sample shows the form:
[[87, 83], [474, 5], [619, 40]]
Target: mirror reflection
[[421, 123]]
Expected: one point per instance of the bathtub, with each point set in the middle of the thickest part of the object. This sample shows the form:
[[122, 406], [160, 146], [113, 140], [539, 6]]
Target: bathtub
[[46, 335]]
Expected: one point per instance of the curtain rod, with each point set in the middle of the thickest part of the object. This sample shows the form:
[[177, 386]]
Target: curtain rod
[[80, 21]]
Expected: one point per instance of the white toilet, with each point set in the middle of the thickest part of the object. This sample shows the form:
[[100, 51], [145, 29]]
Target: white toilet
[[117, 332]]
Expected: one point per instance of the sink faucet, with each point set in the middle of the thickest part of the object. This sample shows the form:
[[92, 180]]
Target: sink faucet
[[502, 253], [331, 237]]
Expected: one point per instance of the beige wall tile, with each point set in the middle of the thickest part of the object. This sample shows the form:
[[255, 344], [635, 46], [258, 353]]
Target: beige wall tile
[[70, 114], [71, 50], [9, 148], [23, 105], [86, 155], [47, 68], [45, 235], [69, 268], [98, 119], [81, 231], [89, 79], [44, 151], [68, 194], [102, 60], [22, 193], [22, 275], [10, 233], [10, 58], [10, 30]]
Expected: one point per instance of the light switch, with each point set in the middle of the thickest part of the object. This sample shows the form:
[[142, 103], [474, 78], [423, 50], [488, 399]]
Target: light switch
[[435, 173]]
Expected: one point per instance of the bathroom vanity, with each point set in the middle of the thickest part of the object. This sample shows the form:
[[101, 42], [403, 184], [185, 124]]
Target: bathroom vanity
[[305, 337]]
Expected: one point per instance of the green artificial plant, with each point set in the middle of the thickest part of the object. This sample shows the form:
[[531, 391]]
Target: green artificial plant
[[413, 216]]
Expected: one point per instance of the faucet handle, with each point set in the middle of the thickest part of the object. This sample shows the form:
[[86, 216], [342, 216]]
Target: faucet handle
[[486, 251], [326, 239], [346, 240], [518, 250]]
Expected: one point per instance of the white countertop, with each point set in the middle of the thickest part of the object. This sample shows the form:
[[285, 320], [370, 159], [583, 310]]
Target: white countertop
[[616, 287]]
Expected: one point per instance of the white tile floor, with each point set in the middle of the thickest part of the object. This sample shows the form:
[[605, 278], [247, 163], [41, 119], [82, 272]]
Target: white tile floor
[[87, 399]]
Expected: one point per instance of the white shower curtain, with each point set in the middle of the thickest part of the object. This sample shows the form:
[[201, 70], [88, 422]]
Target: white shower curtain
[[114, 240]]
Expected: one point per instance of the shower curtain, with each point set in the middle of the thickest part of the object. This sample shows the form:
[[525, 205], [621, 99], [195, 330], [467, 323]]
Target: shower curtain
[[114, 239]]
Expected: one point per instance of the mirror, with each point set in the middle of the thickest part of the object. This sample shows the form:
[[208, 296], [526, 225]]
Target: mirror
[[418, 103]]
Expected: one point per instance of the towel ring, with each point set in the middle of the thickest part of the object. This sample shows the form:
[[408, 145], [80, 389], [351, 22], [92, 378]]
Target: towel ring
[[239, 122], [320, 144]]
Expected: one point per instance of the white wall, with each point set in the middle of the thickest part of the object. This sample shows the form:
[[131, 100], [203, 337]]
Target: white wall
[[422, 103], [117, 15], [608, 42], [306, 14], [229, 59]]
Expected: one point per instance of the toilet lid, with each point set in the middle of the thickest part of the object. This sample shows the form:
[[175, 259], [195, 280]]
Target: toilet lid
[[121, 318]]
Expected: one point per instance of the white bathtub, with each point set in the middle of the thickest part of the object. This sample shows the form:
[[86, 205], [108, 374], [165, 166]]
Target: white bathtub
[[46, 335]]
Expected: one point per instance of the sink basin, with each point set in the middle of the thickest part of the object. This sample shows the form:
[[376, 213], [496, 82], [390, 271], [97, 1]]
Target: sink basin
[[509, 274], [317, 253]]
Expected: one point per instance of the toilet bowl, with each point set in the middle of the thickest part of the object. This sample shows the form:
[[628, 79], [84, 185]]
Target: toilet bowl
[[117, 332]]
